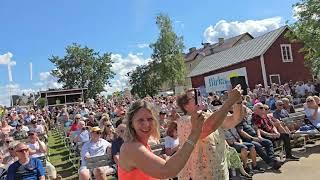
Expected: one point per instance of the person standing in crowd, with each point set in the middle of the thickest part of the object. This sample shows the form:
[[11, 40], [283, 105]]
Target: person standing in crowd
[[267, 129], [211, 164], [25, 167], [136, 161]]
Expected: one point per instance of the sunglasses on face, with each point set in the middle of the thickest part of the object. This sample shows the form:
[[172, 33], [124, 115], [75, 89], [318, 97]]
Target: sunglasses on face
[[263, 108], [108, 125], [310, 101], [22, 150], [97, 132]]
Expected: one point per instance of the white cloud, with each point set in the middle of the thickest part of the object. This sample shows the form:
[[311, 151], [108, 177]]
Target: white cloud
[[7, 59], [123, 65], [226, 29], [143, 45], [47, 81]]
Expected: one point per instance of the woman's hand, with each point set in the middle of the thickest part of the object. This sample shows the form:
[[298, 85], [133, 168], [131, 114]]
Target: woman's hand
[[197, 120], [234, 95]]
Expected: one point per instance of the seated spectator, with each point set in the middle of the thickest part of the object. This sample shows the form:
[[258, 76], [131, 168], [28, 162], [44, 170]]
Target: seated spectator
[[312, 111], [37, 148], [234, 140], [92, 122], [317, 100], [11, 157], [215, 101], [5, 127], [273, 101], [267, 129], [82, 135], [3, 168], [163, 122], [108, 132], [19, 133], [67, 122], [171, 141], [174, 116], [118, 141], [25, 167], [263, 146], [74, 126], [39, 129], [95, 147], [104, 119], [288, 106], [280, 112], [5, 147]]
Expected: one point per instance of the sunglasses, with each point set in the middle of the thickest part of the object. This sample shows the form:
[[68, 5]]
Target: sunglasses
[[23, 150], [97, 132], [108, 125], [263, 108], [310, 101]]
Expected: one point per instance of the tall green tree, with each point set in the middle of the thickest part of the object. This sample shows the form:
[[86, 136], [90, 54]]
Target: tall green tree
[[167, 53], [307, 30], [82, 67], [145, 81]]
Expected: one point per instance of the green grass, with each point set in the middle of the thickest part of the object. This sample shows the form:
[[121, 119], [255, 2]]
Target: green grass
[[59, 157]]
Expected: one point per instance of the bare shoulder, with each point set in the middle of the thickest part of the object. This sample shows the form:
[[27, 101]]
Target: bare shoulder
[[131, 147]]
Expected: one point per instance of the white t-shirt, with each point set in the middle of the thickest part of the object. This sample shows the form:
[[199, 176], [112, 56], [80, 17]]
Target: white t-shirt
[[309, 113], [170, 142], [36, 147], [39, 129], [94, 149]]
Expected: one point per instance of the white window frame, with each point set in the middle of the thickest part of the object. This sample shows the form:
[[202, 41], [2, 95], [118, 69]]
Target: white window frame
[[271, 75], [290, 53]]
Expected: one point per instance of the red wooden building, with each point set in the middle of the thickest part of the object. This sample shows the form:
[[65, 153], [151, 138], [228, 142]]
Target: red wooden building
[[270, 58]]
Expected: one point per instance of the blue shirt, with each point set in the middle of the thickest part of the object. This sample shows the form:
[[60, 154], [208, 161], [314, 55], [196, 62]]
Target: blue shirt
[[280, 114], [33, 170]]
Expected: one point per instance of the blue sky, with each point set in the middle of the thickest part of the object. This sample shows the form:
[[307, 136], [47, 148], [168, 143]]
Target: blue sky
[[34, 30]]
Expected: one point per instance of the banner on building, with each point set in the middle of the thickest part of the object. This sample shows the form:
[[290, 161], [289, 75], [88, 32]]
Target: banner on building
[[221, 81]]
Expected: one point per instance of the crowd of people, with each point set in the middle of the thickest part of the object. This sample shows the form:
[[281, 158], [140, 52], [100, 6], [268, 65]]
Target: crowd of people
[[201, 141]]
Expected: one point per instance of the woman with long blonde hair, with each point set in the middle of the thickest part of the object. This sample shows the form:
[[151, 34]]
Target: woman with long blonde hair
[[137, 162]]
